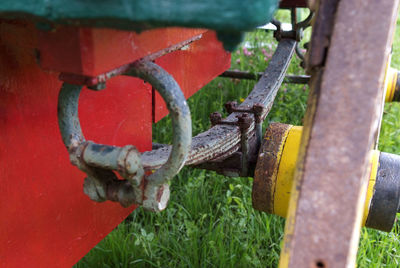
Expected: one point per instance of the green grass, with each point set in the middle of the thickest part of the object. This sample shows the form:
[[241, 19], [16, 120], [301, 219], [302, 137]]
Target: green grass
[[210, 221]]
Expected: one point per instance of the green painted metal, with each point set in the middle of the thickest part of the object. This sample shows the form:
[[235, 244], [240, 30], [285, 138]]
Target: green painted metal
[[228, 17]]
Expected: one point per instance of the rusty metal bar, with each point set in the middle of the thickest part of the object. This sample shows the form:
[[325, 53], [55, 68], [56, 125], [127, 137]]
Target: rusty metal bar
[[290, 79], [348, 57], [222, 141], [321, 32]]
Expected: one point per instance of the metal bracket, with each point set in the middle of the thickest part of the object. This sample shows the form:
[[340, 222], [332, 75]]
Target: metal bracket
[[296, 33], [244, 122], [258, 110], [297, 27]]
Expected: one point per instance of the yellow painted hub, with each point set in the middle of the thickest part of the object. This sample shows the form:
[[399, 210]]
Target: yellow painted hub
[[391, 84], [287, 165]]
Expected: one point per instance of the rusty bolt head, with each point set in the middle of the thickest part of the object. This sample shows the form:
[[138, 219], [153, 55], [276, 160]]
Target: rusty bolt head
[[215, 118], [230, 106], [244, 121], [258, 110]]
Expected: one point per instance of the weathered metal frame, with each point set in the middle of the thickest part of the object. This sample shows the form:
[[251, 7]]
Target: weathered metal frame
[[347, 63]]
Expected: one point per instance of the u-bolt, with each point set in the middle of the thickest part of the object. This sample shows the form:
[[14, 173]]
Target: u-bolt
[[99, 161]]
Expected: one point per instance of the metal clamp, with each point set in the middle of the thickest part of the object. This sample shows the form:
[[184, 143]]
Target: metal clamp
[[257, 109], [296, 33], [99, 161], [244, 122]]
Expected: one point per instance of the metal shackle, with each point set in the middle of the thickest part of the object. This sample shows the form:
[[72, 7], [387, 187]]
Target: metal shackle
[[99, 161]]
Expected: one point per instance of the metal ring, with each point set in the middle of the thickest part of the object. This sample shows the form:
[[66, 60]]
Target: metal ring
[[170, 91]]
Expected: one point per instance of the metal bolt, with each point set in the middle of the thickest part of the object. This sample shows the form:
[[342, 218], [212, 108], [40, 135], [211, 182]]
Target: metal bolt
[[258, 110], [244, 122], [230, 106], [215, 118]]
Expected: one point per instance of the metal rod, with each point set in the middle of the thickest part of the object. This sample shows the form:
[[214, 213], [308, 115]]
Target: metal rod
[[244, 122], [290, 79], [258, 134]]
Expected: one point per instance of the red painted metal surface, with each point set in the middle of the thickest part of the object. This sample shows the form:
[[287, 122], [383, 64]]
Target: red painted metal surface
[[46, 218], [193, 67], [47, 221], [92, 51]]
